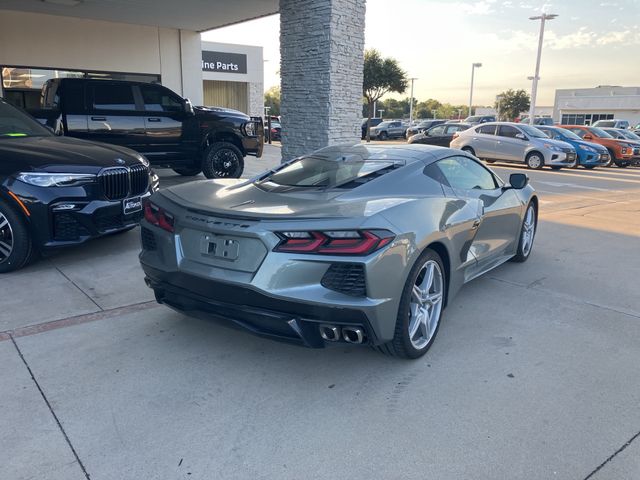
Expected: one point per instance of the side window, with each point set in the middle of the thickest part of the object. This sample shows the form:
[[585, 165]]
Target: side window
[[508, 131], [487, 129], [158, 99], [451, 129], [108, 96], [435, 131], [466, 174]]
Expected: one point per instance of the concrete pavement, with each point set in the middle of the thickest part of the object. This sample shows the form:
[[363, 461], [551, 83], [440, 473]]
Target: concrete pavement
[[533, 375]]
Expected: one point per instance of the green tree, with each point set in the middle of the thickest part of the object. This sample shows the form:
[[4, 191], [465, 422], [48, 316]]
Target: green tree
[[511, 103], [425, 109], [272, 100], [381, 76]]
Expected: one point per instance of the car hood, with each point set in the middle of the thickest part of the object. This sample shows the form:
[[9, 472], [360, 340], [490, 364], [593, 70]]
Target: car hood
[[64, 154], [557, 143], [242, 198], [596, 146], [219, 112]]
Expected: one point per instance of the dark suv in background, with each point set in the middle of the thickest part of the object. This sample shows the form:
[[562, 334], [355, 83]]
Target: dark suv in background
[[60, 191], [154, 121]]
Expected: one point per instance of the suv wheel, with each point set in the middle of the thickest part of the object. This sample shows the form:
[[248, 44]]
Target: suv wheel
[[16, 248], [383, 136], [223, 160], [535, 161]]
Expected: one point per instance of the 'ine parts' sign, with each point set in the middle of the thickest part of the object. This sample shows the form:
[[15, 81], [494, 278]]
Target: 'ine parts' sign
[[224, 62]]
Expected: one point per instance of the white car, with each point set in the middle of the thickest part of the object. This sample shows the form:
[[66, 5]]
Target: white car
[[515, 142]]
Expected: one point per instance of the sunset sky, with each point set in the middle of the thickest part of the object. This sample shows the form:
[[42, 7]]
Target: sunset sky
[[592, 42]]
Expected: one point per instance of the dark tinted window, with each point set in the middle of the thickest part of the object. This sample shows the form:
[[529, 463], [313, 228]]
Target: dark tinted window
[[108, 96], [437, 131], [487, 129], [158, 99], [74, 97], [507, 131], [466, 174], [451, 129], [15, 124]]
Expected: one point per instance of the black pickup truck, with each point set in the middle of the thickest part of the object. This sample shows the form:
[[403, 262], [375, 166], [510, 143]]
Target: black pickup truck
[[154, 121]]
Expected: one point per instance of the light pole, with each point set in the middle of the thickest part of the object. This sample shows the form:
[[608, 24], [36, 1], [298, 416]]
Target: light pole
[[498, 100], [380, 111], [433, 113], [534, 84], [459, 113], [411, 101], [534, 87], [473, 69]]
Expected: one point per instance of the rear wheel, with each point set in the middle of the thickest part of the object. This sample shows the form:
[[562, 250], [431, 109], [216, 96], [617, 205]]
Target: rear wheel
[[421, 306], [555, 167], [589, 167], [535, 161], [469, 150], [188, 171], [16, 248], [223, 160]]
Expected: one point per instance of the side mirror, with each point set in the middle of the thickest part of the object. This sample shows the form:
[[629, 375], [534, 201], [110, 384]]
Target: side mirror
[[188, 107], [521, 136], [518, 180], [588, 137]]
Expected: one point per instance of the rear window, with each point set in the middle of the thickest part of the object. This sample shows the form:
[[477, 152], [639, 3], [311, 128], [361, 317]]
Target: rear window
[[318, 172]]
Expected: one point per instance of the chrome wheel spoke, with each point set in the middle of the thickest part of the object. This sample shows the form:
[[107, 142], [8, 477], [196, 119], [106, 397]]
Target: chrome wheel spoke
[[5, 249], [426, 304], [3, 222]]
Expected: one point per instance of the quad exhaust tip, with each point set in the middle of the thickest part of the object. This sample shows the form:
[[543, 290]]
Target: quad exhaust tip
[[329, 333], [352, 335]]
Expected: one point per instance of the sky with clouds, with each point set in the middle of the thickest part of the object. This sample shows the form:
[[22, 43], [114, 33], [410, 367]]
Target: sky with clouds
[[592, 42]]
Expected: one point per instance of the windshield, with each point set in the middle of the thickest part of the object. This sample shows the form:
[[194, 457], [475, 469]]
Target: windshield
[[563, 133], [326, 173], [599, 132], [384, 124], [532, 131], [472, 119], [630, 135], [606, 123], [15, 124]]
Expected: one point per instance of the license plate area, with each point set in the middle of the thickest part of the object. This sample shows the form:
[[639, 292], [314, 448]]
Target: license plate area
[[131, 205], [221, 247]]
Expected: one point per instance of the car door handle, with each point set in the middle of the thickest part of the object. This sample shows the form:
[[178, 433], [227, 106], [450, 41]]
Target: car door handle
[[153, 119], [99, 119], [476, 223]]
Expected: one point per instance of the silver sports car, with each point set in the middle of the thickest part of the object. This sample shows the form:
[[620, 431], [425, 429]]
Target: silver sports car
[[351, 244]]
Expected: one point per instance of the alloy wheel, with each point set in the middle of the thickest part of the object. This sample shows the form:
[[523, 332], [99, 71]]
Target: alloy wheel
[[426, 304], [534, 161], [528, 230], [6, 238], [225, 163]]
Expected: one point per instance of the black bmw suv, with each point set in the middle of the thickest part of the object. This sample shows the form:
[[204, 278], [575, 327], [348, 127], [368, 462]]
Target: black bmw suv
[[61, 191]]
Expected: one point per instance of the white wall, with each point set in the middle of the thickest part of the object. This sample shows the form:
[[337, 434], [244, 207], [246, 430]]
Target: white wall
[[50, 41], [622, 102]]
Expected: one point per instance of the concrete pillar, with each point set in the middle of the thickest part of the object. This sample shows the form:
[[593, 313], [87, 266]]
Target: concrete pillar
[[322, 54]]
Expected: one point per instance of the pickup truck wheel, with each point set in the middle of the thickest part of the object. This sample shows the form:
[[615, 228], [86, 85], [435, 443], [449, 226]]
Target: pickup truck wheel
[[223, 160], [188, 171], [16, 248]]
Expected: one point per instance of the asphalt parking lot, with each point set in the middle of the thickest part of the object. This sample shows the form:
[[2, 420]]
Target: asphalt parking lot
[[534, 374]]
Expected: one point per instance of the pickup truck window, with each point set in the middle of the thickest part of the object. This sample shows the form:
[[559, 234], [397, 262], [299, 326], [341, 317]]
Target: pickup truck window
[[159, 100], [110, 96]]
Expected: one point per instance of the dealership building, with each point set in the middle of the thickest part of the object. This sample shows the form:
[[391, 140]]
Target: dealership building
[[321, 46], [585, 106]]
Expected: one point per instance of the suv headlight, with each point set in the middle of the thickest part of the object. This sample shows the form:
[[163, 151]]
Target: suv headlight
[[56, 179], [249, 129], [587, 148]]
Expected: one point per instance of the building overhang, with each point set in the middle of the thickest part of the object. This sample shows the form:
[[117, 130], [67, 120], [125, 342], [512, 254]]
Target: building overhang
[[195, 15]]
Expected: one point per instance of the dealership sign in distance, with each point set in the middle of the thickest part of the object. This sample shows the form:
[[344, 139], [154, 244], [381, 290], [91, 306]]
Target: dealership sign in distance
[[224, 62]]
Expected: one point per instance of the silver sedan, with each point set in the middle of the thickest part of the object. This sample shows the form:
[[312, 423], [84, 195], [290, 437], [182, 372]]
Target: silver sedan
[[350, 244]]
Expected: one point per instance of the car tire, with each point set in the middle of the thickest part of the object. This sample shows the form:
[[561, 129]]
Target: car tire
[[403, 344], [611, 159], [589, 167], [383, 136], [469, 150], [223, 160], [622, 164], [527, 234], [188, 171], [489, 161], [534, 161], [15, 240], [555, 167]]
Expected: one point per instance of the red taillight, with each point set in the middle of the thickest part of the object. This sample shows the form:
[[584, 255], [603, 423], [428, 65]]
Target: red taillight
[[158, 217], [338, 242]]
